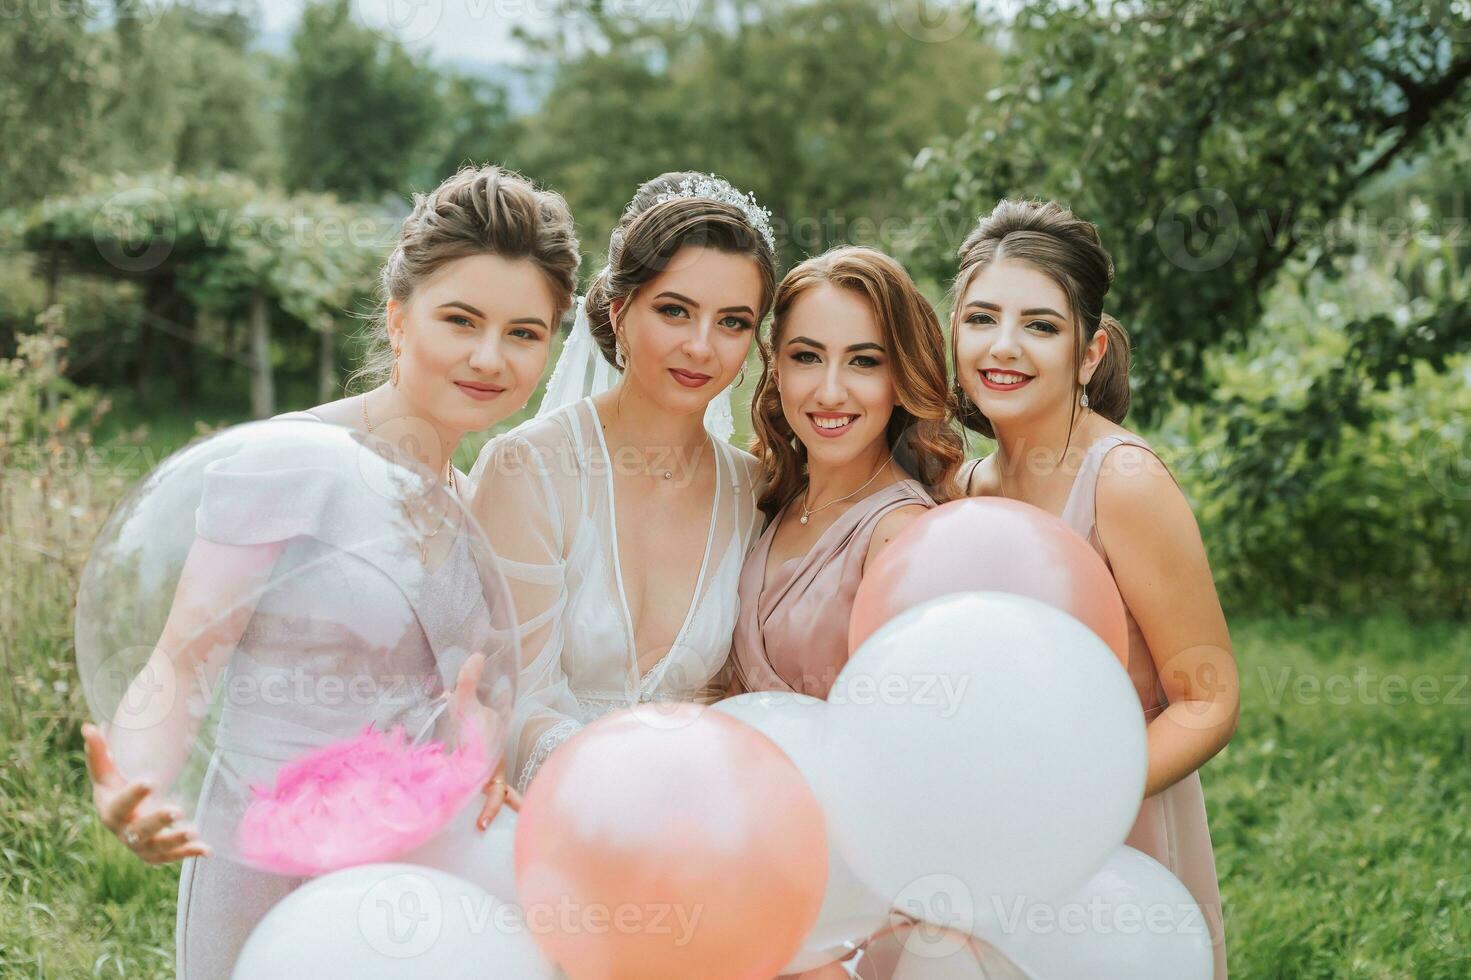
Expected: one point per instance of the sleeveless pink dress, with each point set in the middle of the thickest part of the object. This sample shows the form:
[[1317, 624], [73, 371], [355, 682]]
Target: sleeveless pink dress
[[792, 634], [1171, 826]]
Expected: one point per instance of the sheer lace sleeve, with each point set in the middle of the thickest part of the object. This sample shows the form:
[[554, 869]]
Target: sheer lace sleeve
[[525, 499]]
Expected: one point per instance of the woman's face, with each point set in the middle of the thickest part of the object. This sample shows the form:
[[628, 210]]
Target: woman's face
[[1015, 343], [686, 332], [833, 374], [472, 341]]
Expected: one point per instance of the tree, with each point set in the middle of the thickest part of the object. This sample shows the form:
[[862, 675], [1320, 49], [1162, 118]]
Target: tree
[[817, 108], [48, 73], [358, 108], [1211, 142]]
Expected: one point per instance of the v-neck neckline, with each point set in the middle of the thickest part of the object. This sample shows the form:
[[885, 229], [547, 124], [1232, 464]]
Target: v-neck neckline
[[642, 675], [767, 570]]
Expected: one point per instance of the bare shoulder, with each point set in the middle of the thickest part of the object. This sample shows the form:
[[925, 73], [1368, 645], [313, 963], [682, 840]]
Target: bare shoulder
[[890, 526], [898, 519], [1137, 492], [981, 478]]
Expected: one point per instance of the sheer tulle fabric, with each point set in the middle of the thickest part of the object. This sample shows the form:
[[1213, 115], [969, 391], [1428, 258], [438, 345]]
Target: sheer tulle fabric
[[545, 497], [317, 506]]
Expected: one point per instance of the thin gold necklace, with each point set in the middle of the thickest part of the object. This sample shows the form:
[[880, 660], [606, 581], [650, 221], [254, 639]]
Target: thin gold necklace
[[450, 481], [808, 513]]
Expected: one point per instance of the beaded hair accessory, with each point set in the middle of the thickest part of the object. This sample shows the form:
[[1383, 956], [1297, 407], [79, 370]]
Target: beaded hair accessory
[[714, 188]]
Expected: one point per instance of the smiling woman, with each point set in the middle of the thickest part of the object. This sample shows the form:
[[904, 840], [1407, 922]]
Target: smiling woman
[[1043, 370]]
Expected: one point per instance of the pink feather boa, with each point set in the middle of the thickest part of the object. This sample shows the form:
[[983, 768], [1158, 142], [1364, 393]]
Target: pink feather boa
[[367, 799]]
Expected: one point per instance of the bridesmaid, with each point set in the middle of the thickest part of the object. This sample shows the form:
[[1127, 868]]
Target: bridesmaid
[[852, 406], [1044, 371], [481, 274], [853, 433]]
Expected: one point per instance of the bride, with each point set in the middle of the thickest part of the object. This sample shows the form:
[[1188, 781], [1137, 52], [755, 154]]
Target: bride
[[622, 516]]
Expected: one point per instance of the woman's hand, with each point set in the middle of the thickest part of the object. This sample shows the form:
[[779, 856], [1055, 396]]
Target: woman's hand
[[497, 792], [149, 830], [475, 719]]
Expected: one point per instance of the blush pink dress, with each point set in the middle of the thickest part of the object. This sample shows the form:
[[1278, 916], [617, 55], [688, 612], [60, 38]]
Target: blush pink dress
[[792, 632], [1171, 826]]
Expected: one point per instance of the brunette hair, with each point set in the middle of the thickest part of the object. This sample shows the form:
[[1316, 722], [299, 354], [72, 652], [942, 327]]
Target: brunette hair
[[1057, 243]]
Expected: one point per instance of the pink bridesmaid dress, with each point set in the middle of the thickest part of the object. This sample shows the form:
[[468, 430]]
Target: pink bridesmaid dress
[[1171, 826], [792, 632]]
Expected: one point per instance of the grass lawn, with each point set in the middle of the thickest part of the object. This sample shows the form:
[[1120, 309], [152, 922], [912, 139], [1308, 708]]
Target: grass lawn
[[1341, 813]]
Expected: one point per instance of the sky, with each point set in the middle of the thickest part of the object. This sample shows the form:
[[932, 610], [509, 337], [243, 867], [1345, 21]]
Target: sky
[[454, 31]]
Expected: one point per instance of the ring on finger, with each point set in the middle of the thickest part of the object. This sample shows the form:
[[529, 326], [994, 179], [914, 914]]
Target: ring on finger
[[131, 837]]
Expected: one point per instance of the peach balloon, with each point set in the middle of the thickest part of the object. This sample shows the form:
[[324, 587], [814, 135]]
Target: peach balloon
[[991, 544], [666, 841]]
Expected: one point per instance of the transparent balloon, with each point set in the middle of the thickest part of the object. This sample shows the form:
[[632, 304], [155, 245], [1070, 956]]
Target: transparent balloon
[[301, 638]]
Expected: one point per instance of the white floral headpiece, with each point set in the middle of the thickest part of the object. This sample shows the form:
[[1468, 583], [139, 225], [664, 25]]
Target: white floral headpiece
[[714, 188]]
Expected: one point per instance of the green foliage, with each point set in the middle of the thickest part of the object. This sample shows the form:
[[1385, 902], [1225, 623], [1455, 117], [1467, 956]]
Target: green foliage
[[358, 108], [1210, 142], [220, 237], [475, 127], [48, 74], [817, 108], [1324, 480], [38, 405]]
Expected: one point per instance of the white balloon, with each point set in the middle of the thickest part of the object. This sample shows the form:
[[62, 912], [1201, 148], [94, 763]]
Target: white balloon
[[487, 860], [1133, 920], [798, 724], [986, 749], [389, 922]]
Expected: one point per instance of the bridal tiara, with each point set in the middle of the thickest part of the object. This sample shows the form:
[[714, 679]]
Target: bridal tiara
[[716, 188]]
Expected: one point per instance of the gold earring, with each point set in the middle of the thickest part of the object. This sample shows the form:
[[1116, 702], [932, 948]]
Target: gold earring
[[393, 375]]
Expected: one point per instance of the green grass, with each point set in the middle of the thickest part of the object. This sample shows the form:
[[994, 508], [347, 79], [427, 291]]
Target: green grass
[[1342, 823]]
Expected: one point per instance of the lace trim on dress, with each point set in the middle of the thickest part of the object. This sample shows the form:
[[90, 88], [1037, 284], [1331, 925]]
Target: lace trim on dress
[[549, 740]]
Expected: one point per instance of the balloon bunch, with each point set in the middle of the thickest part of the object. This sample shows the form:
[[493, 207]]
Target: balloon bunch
[[980, 761]]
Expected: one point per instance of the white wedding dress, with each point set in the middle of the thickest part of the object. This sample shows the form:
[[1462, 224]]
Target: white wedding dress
[[545, 497]]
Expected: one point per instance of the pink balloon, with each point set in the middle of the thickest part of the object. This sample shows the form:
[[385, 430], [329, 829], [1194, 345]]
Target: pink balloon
[[991, 544], [667, 841]]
